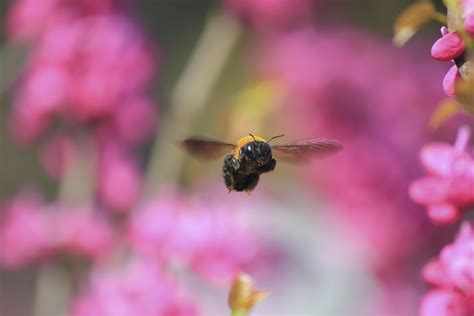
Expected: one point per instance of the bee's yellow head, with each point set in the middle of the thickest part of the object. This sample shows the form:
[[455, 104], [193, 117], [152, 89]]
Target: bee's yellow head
[[244, 141]]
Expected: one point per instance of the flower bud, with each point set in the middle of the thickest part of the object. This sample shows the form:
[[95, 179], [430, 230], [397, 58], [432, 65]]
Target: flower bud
[[242, 296]]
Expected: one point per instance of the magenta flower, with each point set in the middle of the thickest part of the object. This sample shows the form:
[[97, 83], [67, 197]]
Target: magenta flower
[[215, 242], [452, 276], [25, 236], [271, 14], [139, 289], [450, 79], [57, 155], [451, 46], [447, 192], [82, 232], [120, 179], [379, 127], [448, 47], [27, 19], [135, 120]]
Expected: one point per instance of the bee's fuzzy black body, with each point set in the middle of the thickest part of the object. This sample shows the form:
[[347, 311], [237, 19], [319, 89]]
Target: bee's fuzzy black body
[[242, 173]]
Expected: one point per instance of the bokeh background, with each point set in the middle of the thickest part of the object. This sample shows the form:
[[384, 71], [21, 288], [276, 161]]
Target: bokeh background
[[94, 96]]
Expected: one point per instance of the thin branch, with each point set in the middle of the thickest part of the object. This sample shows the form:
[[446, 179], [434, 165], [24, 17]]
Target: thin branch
[[189, 97]]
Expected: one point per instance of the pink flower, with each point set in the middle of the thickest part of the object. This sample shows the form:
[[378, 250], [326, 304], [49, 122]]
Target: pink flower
[[82, 232], [448, 47], [139, 289], [216, 242], [444, 303], [24, 232], [153, 224], [449, 81], [448, 189], [268, 14], [135, 120], [469, 23], [56, 156], [467, 7], [81, 70], [451, 46], [27, 123], [120, 179], [28, 19], [452, 276], [379, 128]]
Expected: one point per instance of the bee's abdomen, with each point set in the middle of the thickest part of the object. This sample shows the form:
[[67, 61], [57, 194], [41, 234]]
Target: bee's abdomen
[[244, 182]]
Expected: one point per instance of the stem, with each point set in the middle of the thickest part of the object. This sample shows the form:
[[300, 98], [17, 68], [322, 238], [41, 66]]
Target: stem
[[440, 17], [189, 97], [239, 312], [78, 182], [53, 291], [55, 284]]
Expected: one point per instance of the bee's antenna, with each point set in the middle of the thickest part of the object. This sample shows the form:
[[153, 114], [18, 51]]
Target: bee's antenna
[[252, 137], [278, 136]]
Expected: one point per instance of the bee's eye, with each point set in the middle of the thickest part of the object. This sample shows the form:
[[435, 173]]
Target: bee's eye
[[249, 149]]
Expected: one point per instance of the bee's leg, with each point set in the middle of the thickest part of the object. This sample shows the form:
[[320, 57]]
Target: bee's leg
[[230, 166], [252, 182], [270, 166]]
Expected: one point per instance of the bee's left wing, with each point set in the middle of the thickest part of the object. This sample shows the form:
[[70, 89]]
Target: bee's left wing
[[305, 150], [206, 149]]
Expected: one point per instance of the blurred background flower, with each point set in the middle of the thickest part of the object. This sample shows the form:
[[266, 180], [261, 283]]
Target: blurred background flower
[[102, 214]]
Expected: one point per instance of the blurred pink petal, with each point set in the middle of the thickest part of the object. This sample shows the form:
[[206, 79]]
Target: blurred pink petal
[[443, 213], [458, 260], [437, 158], [25, 237], [443, 303], [450, 79], [449, 190], [452, 275], [469, 23], [270, 14], [467, 7], [56, 155], [141, 288], [434, 274], [26, 124], [27, 18], [429, 190], [120, 180], [82, 233], [135, 120], [214, 242]]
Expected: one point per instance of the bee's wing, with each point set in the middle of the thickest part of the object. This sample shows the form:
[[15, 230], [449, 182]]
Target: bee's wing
[[305, 150], [206, 149]]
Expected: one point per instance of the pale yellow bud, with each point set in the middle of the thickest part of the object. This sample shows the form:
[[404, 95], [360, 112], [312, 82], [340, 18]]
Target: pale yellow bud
[[242, 296]]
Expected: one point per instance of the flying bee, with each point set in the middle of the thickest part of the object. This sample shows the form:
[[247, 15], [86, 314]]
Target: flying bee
[[253, 156]]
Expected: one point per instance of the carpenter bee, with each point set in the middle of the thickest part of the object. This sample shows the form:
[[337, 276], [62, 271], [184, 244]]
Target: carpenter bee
[[253, 156]]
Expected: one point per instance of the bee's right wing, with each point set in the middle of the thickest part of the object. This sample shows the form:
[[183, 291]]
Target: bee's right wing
[[206, 149], [303, 150]]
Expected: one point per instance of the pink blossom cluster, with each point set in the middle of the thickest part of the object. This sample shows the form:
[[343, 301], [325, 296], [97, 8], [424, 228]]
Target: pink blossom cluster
[[373, 104], [451, 46], [449, 189], [211, 239], [264, 15], [140, 288], [32, 231], [89, 69], [205, 236], [452, 277]]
